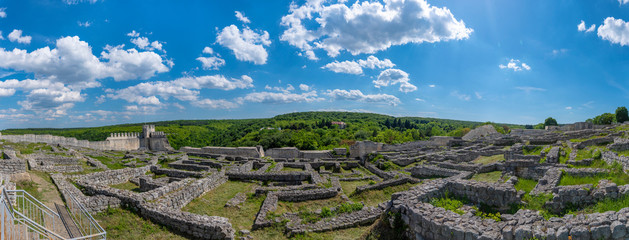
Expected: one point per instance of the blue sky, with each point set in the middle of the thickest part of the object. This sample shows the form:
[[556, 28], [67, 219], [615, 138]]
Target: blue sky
[[73, 63]]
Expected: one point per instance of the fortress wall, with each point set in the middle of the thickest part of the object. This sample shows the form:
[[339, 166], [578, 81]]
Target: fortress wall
[[158, 144], [315, 154], [112, 143], [286, 152], [231, 151]]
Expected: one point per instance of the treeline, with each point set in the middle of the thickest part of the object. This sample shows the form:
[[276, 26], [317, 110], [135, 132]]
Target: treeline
[[306, 130]]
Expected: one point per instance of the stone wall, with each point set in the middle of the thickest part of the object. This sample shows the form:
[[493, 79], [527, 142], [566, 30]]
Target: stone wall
[[294, 153], [611, 157], [270, 176], [93, 204], [111, 177], [500, 195], [119, 144], [11, 164], [253, 152], [361, 148], [383, 184], [176, 172], [306, 195]]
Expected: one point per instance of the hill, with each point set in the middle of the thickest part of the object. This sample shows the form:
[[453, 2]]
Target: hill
[[304, 130]]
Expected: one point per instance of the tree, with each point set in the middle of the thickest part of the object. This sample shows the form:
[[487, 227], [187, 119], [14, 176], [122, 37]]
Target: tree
[[604, 119], [550, 122], [621, 114]]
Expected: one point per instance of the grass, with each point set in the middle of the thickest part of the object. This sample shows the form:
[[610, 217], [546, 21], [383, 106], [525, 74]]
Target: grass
[[623, 153], [374, 197], [489, 159], [271, 167], [448, 203], [163, 162], [350, 186], [532, 151], [125, 224], [535, 202], [30, 187], [110, 163], [308, 206], [213, 202], [577, 140], [564, 155], [490, 177], [605, 205], [589, 152], [525, 184], [616, 175], [127, 186], [597, 163], [277, 233], [290, 169]]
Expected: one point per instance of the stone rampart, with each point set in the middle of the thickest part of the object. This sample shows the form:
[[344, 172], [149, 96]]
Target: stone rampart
[[176, 173], [111, 177], [10, 163], [252, 152], [270, 176], [500, 195], [306, 195], [118, 143]]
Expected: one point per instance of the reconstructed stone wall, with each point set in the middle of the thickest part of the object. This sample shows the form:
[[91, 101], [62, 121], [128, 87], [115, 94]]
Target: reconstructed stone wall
[[361, 148], [384, 184], [306, 195], [493, 194], [611, 157], [119, 144], [254, 152], [176, 173], [270, 176], [111, 177], [93, 204], [293, 153]]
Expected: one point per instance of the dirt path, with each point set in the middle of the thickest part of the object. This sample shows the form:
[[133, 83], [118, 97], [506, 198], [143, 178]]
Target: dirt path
[[48, 190]]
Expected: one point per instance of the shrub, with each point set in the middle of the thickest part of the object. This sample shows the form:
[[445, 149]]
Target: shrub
[[349, 207], [596, 155], [325, 212]]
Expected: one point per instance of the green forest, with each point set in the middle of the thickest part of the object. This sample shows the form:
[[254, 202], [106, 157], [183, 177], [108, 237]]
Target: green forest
[[305, 130]]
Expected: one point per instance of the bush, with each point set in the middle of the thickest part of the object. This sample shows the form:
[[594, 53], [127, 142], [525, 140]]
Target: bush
[[596, 155], [325, 212], [622, 115], [348, 207]]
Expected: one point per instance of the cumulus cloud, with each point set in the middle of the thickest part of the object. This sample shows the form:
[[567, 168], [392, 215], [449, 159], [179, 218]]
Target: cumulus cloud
[[357, 95], [143, 42], [213, 62], [304, 87], [47, 98], [393, 77], [515, 65], [349, 67], [615, 31], [241, 17], [6, 92], [16, 36], [3, 12], [368, 26], [184, 89], [356, 67], [247, 45], [73, 63], [581, 27], [280, 97], [288, 88]]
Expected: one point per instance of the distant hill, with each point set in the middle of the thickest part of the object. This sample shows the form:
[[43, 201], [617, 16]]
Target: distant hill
[[305, 130]]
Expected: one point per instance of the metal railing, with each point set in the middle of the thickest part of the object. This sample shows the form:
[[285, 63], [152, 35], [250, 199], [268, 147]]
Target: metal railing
[[90, 229], [24, 217]]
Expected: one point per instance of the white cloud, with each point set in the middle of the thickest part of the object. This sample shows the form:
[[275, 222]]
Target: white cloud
[[368, 27], [6, 92], [530, 89], [356, 67], [247, 45], [287, 89], [581, 27], [615, 31], [432, 85], [212, 62], [280, 97], [478, 95], [304, 87], [133, 34], [420, 100], [395, 76], [84, 24], [73, 63], [16, 36], [349, 67], [72, 2], [515, 65], [241, 17], [461, 96], [143, 42], [623, 1], [568, 108], [357, 95], [184, 89], [3, 12], [216, 104]]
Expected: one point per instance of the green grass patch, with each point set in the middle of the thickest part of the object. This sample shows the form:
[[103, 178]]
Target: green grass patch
[[374, 197], [125, 224], [271, 167], [577, 140], [291, 169], [31, 188], [605, 205], [564, 155], [389, 166], [527, 150], [110, 163], [616, 175], [622, 153], [489, 159], [448, 203], [525, 184], [308, 206], [490, 177], [213, 203], [350, 186], [536, 203], [593, 152], [127, 186]]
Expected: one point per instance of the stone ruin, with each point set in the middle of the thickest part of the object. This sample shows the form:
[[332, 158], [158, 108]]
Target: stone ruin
[[442, 167]]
